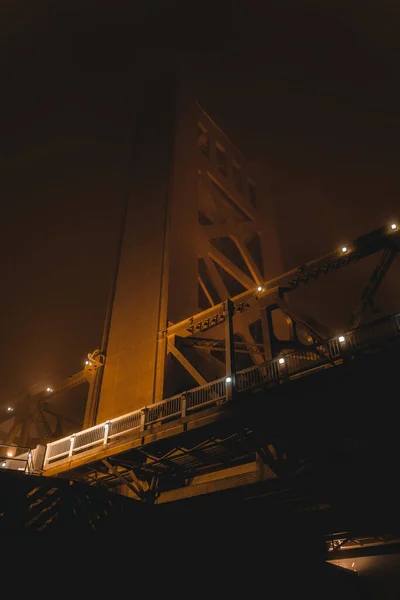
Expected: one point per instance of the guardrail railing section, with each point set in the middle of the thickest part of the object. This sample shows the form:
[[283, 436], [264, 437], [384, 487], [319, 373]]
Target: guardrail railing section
[[374, 333], [272, 372], [211, 393], [58, 449], [265, 374], [307, 359], [334, 347], [262, 374], [88, 438], [15, 458], [124, 424], [164, 410]]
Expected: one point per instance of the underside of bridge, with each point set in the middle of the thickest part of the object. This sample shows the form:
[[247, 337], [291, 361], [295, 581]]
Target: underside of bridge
[[309, 444], [326, 452], [276, 440]]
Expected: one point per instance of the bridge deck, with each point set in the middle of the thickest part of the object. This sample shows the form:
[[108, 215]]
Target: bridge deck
[[197, 431]]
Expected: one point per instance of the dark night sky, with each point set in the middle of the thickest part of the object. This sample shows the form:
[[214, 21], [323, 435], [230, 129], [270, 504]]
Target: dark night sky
[[309, 88]]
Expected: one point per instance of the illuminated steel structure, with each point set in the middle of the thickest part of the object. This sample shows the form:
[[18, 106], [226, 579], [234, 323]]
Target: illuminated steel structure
[[200, 440], [32, 413], [199, 319], [198, 230]]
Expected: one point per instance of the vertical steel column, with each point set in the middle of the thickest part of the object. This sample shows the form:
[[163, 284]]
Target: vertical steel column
[[229, 350], [71, 445]]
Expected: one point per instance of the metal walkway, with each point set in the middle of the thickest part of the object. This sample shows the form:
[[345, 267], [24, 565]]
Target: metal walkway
[[137, 428]]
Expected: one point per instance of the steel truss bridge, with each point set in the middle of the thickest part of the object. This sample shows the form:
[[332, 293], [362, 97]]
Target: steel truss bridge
[[239, 434], [194, 408]]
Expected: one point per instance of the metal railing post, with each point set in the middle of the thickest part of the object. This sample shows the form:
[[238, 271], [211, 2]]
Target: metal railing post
[[143, 419], [106, 430], [71, 447], [230, 380], [283, 369], [29, 463], [183, 405]]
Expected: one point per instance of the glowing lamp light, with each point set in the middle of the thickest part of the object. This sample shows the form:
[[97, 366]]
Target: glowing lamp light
[[342, 339], [393, 226], [281, 361], [86, 362], [260, 288], [3, 464], [9, 453], [10, 409], [228, 379], [49, 389], [344, 249]]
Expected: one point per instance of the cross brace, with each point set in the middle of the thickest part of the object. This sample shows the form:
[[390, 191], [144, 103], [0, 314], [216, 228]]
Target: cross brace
[[362, 247]]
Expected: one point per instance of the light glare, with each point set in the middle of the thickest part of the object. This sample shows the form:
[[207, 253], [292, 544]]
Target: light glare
[[228, 379], [281, 361], [342, 339]]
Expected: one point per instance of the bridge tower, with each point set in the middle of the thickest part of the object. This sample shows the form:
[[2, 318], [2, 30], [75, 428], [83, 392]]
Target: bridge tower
[[199, 229]]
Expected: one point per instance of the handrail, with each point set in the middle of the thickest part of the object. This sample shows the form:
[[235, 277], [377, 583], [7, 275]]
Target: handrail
[[16, 458], [268, 373]]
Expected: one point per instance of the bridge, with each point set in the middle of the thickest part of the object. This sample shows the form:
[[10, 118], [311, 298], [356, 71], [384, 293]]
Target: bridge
[[223, 436], [211, 388], [308, 437], [139, 430]]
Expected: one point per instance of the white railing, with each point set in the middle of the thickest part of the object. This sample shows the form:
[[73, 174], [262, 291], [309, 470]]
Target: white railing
[[58, 449], [124, 424], [266, 374], [164, 410], [16, 458], [290, 365], [209, 393], [261, 374]]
